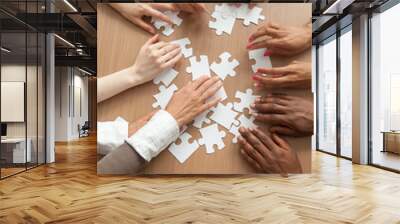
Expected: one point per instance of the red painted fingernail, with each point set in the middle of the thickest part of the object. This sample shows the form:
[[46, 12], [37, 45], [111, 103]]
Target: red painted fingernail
[[267, 53], [249, 46]]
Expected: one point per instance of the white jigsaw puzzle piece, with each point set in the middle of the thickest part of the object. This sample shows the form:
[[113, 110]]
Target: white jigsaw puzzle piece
[[261, 60], [183, 43], [225, 67], [164, 96], [224, 115], [198, 68], [168, 29], [201, 119], [249, 15], [166, 77], [211, 136], [184, 150], [224, 22], [246, 99], [244, 122]]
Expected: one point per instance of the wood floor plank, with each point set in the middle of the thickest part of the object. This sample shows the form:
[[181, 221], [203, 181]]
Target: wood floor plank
[[69, 191]]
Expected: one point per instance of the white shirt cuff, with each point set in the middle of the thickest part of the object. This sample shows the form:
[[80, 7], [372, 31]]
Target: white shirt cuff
[[111, 135], [155, 136]]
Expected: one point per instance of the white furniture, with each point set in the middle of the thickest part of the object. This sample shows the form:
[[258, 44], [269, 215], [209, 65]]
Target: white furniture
[[18, 149]]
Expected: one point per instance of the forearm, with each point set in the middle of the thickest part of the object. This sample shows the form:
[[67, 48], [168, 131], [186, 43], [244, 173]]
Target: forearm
[[117, 82], [123, 160]]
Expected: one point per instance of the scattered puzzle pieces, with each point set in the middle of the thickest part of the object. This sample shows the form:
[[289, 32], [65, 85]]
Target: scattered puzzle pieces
[[225, 67], [198, 68], [201, 118], [164, 96], [246, 99], [244, 122], [185, 149], [261, 60], [224, 115], [166, 77], [212, 136], [168, 30], [183, 43]]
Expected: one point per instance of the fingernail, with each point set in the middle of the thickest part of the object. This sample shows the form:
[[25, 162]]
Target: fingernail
[[258, 99], [252, 105], [267, 53], [255, 84], [249, 46]]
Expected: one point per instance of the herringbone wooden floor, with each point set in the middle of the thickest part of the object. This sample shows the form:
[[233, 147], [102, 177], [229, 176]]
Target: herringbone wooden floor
[[70, 192]]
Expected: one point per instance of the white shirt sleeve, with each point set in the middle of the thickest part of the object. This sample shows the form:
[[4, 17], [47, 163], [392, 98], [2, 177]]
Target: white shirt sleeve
[[155, 136], [111, 135]]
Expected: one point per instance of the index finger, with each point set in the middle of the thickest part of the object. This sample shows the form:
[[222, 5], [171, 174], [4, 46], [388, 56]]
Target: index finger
[[159, 15]]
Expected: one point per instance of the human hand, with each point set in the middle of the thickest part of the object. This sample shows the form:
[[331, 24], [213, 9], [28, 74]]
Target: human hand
[[154, 57], [135, 12], [287, 115], [191, 100], [281, 40], [138, 124], [189, 7], [295, 75], [268, 153]]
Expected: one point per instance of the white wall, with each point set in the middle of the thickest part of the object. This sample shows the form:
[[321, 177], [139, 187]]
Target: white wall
[[69, 85]]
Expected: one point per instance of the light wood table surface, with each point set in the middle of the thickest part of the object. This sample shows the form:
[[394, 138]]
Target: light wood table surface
[[118, 44]]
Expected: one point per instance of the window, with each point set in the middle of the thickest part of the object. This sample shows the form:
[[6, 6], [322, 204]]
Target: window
[[385, 89], [346, 95], [327, 96]]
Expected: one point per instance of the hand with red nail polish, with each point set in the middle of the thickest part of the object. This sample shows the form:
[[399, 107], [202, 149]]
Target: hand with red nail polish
[[281, 40], [296, 75]]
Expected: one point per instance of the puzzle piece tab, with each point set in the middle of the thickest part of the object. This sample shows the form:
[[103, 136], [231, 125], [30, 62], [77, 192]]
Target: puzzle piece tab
[[164, 96], [168, 30], [261, 60], [185, 149], [183, 43], [198, 68], [224, 115], [212, 136], [244, 122], [246, 99], [166, 77], [225, 67]]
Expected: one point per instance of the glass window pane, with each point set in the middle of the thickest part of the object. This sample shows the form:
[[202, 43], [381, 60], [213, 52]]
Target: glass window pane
[[14, 153], [327, 96], [346, 94], [385, 89]]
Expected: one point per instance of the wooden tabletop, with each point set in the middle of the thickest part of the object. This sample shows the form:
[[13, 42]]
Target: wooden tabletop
[[118, 44]]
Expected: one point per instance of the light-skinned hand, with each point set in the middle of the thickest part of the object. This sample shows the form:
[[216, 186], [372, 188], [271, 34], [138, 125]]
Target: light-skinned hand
[[191, 100], [156, 56], [296, 75], [281, 40], [135, 12]]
